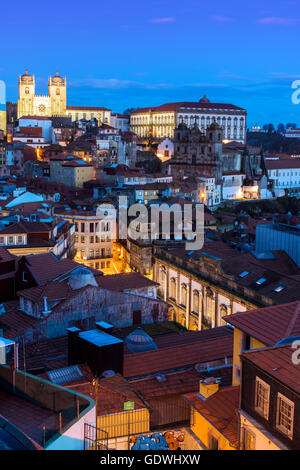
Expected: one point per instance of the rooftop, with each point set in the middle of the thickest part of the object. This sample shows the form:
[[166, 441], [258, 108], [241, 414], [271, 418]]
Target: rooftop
[[277, 362], [220, 410], [187, 105], [269, 324]]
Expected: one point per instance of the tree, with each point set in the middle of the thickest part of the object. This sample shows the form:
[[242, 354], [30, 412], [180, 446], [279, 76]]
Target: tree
[[291, 125], [280, 128]]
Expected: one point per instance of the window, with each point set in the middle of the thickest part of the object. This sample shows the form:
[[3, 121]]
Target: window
[[20, 239], [244, 274], [10, 240], [285, 415], [82, 239], [91, 227], [262, 398], [183, 295], [2, 240], [261, 281], [246, 342], [248, 440], [213, 442], [279, 288], [173, 288]]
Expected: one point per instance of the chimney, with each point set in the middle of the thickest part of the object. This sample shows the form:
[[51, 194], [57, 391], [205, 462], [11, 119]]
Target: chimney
[[46, 310], [73, 349], [104, 326], [208, 387]]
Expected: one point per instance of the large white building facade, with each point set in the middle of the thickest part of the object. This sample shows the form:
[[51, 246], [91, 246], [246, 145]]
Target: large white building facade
[[160, 121]]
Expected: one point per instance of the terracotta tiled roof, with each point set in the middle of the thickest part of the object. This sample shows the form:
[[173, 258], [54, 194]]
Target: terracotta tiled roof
[[176, 357], [55, 267], [269, 324], [282, 164], [15, 322], [188, 105], [220, 410], [124, 281], [5, 255], [86, 108], [277, 362], [26, 227], [113, 392]]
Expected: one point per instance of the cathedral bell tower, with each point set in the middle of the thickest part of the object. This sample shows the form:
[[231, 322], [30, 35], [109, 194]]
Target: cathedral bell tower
[[26, 95], [57, 90]]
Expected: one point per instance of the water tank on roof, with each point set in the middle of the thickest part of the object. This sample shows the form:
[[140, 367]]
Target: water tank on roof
[[82, 277], [139, 341]]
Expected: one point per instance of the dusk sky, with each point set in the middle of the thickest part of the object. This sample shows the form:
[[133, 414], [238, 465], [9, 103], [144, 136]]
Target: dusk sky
[[137, 53]]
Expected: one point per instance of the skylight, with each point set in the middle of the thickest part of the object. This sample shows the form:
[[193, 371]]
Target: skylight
[[279, 288], [244, 273], [261, 281]]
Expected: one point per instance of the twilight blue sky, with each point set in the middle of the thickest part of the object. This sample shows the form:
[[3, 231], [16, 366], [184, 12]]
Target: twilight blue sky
[[136, 53]]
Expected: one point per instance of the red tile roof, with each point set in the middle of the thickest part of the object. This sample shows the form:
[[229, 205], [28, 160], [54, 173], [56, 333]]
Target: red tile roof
[[26, 227], [281, 164], [188, 105], [277, 362], [5, 255], [269, 324], [113, 392], [14, 322], [55, 267], [176, 357], [86, 108], [220, 410], [125, 281]]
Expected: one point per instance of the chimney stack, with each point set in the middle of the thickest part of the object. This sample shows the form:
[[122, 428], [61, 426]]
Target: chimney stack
[[208, 387]]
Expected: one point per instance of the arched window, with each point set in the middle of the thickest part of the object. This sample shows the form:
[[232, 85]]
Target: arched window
[[173, 288], [183, 294], [196, 301]]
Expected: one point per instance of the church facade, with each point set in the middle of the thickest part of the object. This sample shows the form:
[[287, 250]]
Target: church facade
[[55, 103]]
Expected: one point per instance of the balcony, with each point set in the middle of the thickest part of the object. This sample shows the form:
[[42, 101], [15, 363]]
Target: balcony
[[51, 416]]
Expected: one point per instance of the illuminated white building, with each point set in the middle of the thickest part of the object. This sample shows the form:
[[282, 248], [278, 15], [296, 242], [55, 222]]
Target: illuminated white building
[[160, 121]]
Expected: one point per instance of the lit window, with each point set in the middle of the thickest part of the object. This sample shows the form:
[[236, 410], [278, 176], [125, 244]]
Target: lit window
[[248, 442], [262, 398], [285, 415], [244, 273], [261, 281], [279, 288]]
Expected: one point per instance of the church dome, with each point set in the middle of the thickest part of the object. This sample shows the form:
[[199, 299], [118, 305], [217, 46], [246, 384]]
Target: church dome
[[57, 79], [26, 77], [139, 341], [82, 277]]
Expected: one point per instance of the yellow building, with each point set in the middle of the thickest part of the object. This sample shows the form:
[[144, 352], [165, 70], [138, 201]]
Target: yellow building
[[70, 171], [214, 421], [55, 103], [261, 328]]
